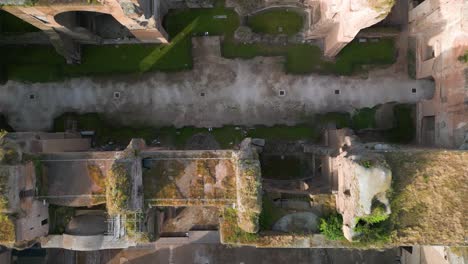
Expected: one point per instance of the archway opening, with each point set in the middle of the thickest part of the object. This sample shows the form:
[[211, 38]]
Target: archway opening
[[100, 24]]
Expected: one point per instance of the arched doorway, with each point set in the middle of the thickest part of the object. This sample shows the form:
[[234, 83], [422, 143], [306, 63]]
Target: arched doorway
[[100, 24]]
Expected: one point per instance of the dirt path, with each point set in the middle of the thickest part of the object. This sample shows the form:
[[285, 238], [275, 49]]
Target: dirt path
[[243, 92]]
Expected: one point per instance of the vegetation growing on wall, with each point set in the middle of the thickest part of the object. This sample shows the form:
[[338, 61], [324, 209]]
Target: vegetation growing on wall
[[7, 227], [231, 232], [7, 230], [119, 184], [331, 227], [9, 153], [374, 228], [249, 195], [382, 6]]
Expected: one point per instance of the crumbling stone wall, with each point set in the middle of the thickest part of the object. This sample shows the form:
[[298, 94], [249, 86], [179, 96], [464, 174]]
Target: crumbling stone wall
[[440, 29], [362, 179], [249, 188], [128, 13], [338, 22]]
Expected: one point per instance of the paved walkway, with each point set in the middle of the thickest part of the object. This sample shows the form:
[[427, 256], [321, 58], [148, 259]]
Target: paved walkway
[[217, 92]]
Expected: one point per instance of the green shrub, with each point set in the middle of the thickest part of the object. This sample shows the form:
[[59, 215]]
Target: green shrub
[[378, 214], [118, 185], [374, 228], [373, 233], [331, 227]]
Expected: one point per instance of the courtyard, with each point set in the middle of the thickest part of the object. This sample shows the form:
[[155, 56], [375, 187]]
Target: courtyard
[[41, 63], [216, 92]]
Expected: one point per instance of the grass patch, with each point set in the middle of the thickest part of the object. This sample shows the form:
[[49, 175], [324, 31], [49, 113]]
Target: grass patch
[[276, 21], [36, 63], [11, 25], [304, 59], [429, 190], [107, 131], [42, 64], [355, 55], [231, 232], [270, 213], [215, 21], [283, 132], [340, 120]]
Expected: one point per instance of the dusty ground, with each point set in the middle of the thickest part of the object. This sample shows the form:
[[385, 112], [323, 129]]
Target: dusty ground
[[429, 196], [235, 92], [193, 217], [194, 178]]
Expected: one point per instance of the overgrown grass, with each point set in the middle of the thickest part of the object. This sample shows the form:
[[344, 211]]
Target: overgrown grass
[[276, 21], [226, 136], [231, 232], [429, 194], [7, 229], [118, 189]]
